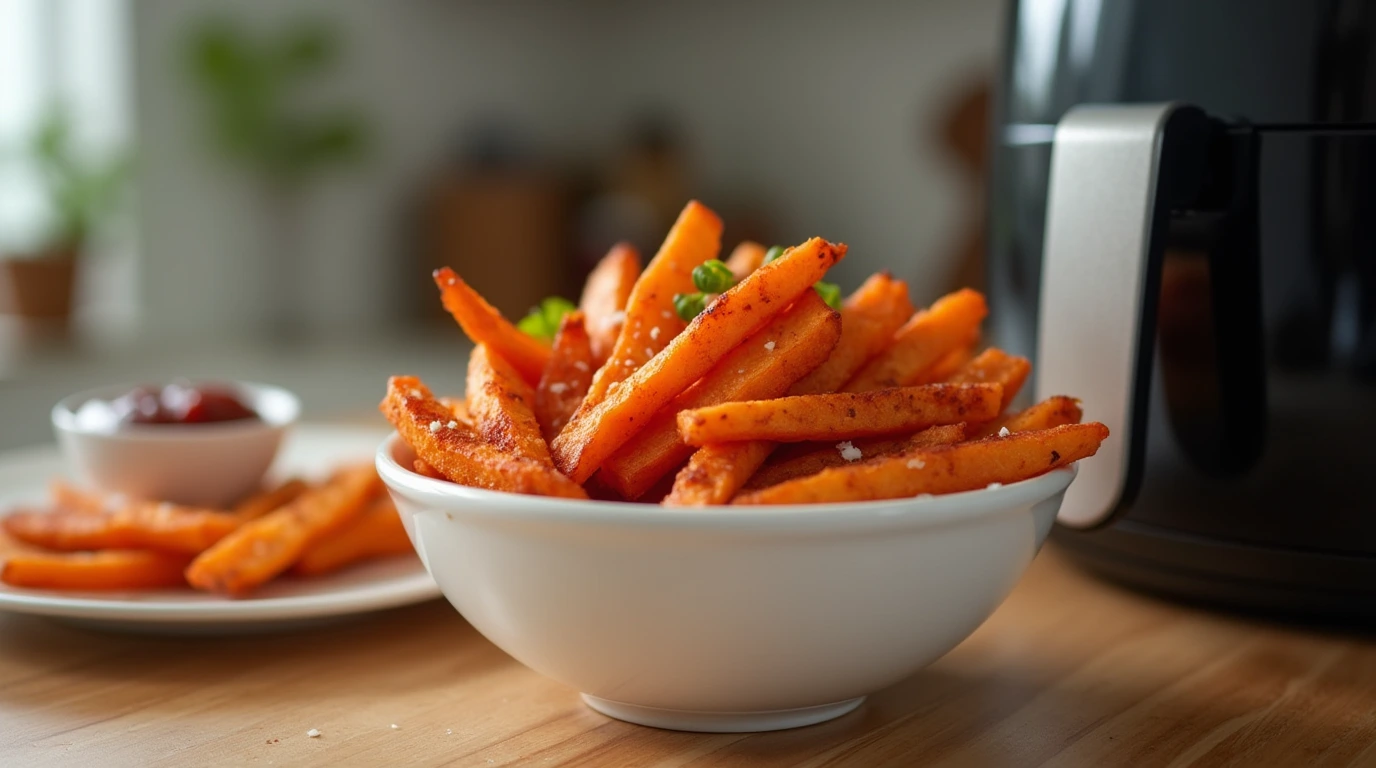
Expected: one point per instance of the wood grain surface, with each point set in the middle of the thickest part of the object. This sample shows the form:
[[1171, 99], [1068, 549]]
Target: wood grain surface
[[1069, 672]]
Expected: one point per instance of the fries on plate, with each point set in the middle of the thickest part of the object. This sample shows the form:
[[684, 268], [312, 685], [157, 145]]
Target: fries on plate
[[262, 548], [105, 570]]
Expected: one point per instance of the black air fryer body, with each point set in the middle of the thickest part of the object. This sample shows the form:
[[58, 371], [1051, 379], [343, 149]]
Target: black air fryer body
[[1255, 483]]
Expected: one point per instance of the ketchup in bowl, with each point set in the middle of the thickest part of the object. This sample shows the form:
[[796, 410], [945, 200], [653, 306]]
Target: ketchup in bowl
[[180, 403], [176, 403]]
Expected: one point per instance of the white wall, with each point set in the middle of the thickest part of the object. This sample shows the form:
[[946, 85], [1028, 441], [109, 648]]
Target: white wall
[[820, 105], [73, 55], [815, 107], [420, 68]]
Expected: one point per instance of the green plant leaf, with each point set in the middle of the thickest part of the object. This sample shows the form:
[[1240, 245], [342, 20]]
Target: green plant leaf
[[79, 190], [251, 87], [332, 140], [307, 47], [543, 321], [830, 293]]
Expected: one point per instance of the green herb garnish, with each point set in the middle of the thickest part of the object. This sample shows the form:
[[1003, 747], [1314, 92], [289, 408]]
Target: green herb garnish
[[543, 321], [830, 293], [773, 253], [713, 276], [689, 305]]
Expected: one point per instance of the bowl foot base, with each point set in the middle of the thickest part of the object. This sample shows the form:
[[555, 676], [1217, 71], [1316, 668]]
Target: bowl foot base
[[721, 722]]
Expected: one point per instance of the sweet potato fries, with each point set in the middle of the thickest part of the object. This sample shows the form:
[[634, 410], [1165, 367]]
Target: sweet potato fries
[[103, 541], [714, 365]]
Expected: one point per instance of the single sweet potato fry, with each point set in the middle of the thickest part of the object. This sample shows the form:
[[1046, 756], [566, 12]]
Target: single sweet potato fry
[[260, 549], [458, 453], [1051, 412], [566, 378], [650, 320], [817, 457], [68, 498], [745, 258], [595, 433], [130, 525], [485, 325], [869, 318], [995, 366], [376, 532], [842, 415], [605, 294], [949, 365], [502, 407], [425, 469], [106, 570], [923, 342], [947, 469], [715, 472], [459, 408], [265, 501], [765, 365]]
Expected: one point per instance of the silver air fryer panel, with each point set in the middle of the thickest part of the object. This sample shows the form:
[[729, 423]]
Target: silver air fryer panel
[[1099, 221]]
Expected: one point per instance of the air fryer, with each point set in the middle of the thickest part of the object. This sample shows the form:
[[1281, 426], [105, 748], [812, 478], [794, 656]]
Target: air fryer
[[1183, 220]]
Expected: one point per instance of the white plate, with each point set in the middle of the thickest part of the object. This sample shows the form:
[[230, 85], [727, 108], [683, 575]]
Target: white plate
[[285, 603]]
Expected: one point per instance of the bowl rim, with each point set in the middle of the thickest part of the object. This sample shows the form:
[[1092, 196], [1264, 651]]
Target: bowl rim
[[63, 414], [965, 506]]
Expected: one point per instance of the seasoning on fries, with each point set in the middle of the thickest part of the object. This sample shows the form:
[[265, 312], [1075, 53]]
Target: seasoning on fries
[[869, 318], [566, 378], [485, 325], [718, 384], [802, 338], [841, 415], [946, 469], [458, 452], [591, 436], [104, 541], [605, 294], [648, 319], [817, 457], [104, 570], [260, 549], [261, 503], [376, 532], [127, 524], [924, 342]]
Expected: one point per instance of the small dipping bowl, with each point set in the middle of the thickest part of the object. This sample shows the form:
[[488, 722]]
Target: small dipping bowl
[[723, 619], [208, 464]]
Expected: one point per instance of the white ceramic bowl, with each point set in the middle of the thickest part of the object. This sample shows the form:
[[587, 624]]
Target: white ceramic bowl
[[210, 465], [723, 618]]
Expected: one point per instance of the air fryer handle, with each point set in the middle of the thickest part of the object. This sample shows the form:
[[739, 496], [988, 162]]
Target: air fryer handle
[[1116, 173]]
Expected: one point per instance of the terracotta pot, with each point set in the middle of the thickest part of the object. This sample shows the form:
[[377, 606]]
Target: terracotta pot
[[39, 287]]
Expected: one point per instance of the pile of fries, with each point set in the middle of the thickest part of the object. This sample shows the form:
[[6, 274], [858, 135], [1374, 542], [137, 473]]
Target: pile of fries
[[101, 541], [767, 396]]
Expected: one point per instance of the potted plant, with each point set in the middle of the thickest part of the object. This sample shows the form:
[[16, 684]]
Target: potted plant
[[36, 284], [260, 114]]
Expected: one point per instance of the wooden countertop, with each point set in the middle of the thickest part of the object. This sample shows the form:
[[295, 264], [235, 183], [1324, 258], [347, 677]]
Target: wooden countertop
[[1069, 672]]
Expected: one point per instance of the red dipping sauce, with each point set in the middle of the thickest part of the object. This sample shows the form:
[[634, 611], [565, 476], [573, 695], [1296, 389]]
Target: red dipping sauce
[[180, 403]]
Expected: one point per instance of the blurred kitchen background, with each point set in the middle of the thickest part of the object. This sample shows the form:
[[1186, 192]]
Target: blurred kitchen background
[[259, 189]]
